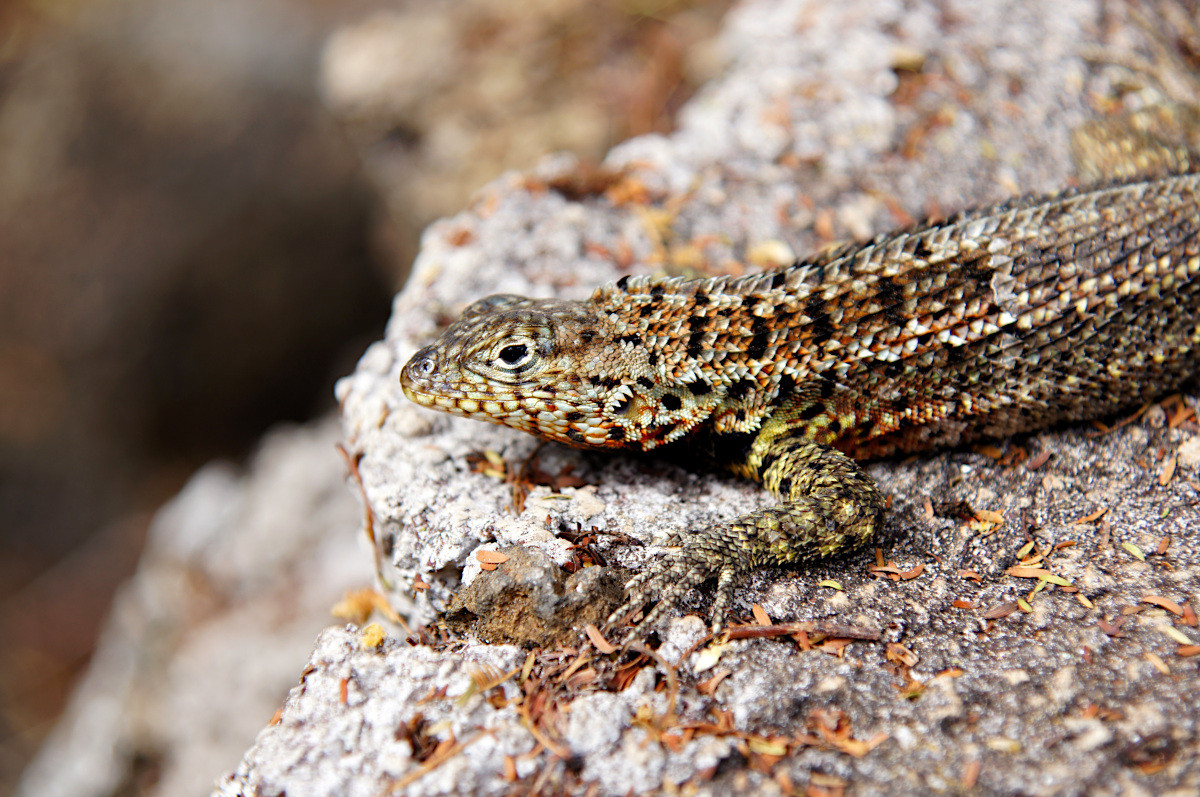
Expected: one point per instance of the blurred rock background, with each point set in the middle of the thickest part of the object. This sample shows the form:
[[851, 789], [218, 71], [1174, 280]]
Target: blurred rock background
[[191, 251]]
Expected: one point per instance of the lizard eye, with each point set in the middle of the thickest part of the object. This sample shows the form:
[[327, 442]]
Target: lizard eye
[[514, 356]]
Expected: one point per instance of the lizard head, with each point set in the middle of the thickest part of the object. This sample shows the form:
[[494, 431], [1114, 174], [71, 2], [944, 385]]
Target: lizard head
[[527, 364]]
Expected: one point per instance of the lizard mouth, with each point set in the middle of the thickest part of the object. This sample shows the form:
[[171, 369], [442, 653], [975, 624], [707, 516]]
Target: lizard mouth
[[424, 382]]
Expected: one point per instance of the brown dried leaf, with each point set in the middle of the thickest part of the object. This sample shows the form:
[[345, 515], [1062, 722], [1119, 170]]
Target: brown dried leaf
[[988, 516], [491, 557], [1027, 572], [971, 773], [709, 687], [585, 676], [901, 655], [1093, 516], [1113, 629], [1038, 461], [1003, 610], [1182, 413], [859, 748], [485, 678], [1164, 603], [673, 741], [434, 694], [1157, 662], [1168, 471], [834, 647], [602, 644]]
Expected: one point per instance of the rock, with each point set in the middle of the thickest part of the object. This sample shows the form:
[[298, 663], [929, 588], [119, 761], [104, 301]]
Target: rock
[[239, 574], [1189, 453], [530, 600]]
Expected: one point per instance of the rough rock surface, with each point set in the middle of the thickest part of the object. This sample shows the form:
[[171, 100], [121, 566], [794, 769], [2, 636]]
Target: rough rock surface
[[833, 120], [239, 574], [533, 602]]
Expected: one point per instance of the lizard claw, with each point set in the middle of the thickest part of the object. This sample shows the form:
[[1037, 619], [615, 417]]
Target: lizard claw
[[667, 581]]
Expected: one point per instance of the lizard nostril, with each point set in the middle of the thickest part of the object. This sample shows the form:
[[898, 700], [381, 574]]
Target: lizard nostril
[[422, 366]]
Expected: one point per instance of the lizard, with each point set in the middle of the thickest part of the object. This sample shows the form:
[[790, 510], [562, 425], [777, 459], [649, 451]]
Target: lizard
[[1003, 319]]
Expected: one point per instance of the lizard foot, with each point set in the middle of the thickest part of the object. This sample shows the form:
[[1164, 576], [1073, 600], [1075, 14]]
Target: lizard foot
[[668, 580]]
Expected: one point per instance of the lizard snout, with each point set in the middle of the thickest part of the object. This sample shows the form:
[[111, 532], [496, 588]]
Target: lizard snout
[[420, 369]]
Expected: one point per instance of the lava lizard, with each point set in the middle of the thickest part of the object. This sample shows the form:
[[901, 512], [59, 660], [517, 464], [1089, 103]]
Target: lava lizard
[[1003, 319]]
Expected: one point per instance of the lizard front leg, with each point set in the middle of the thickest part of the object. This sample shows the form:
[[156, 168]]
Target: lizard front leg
[[828, 506]]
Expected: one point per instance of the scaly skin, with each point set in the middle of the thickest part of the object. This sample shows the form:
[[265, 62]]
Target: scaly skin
[[1001, 320]]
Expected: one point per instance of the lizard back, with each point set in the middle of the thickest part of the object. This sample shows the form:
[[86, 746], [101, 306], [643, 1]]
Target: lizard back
[[1003, 319]]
